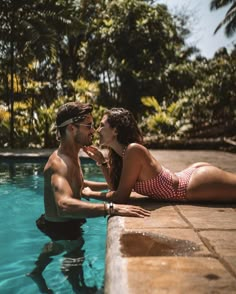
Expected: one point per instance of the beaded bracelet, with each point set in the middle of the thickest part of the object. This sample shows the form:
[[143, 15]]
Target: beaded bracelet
[[104, 163]]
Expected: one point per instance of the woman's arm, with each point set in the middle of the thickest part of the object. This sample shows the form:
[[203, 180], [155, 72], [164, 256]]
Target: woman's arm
[[95, 154], [130, 173], [96, 186]]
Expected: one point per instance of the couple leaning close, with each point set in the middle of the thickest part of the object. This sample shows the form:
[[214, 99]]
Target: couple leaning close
[[129, 167]]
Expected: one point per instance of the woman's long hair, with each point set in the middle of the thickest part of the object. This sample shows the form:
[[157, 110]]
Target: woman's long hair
[[127, 132]]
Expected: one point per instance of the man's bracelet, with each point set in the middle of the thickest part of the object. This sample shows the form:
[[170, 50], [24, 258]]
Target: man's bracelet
[[108, 208], [111, 208]]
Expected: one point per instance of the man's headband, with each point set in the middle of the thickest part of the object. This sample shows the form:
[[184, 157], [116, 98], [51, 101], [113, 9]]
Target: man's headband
[[69, 121]]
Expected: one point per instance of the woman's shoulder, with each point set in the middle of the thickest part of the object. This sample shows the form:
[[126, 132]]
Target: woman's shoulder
[[136, 148]]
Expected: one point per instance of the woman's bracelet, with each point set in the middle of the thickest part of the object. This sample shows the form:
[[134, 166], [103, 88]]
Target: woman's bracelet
[[104, 163]]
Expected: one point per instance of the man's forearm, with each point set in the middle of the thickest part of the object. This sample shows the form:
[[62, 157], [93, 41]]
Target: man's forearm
[[80, 209]]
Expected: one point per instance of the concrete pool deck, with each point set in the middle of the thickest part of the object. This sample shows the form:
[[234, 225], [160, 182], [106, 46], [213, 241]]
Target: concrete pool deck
[[180, 248]]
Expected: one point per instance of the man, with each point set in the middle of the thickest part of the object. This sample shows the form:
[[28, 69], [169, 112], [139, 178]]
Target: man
[[63, 183]]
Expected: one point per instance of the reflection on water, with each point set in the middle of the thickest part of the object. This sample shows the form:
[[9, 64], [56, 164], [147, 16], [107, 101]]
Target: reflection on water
[[21, 203]]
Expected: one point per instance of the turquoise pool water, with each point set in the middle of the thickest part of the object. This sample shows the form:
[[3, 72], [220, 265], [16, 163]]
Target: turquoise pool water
[[21, 202]]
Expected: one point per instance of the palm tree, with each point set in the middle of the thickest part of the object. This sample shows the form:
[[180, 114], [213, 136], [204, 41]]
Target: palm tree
[[230, 18], [28, 32]]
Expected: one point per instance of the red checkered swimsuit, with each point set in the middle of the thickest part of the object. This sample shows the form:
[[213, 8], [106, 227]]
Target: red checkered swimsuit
[[162, 186]]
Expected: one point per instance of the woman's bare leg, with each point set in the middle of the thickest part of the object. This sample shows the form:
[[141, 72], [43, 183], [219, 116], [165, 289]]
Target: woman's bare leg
[[200, 164], [209, 183]]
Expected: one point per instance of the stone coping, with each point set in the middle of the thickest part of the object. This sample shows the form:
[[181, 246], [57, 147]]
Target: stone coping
[[23, 153], [30, 154]]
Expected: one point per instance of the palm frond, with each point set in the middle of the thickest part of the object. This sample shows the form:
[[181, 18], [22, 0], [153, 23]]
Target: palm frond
[[216, 4], [231, 26], [229, 21]]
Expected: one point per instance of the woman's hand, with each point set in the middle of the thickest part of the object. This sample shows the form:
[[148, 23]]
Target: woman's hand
[[130, 210], [94, 153], [86, 192]]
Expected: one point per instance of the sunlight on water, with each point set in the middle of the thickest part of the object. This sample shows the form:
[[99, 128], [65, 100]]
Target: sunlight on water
[[21, 203]]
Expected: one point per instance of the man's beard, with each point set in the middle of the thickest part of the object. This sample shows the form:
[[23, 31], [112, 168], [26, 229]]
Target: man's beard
[[87, 143]]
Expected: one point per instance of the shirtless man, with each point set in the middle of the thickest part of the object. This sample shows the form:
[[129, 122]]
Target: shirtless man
[[65, 211]]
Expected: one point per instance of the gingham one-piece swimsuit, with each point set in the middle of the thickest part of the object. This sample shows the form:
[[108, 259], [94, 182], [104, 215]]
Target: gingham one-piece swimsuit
[[162, 186]]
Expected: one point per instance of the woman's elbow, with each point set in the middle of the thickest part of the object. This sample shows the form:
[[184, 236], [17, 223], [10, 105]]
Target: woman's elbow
[[120, 198], [120, 201]]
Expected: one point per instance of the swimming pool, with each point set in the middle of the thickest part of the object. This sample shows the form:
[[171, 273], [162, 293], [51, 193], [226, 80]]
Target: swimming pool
[[21, 203]]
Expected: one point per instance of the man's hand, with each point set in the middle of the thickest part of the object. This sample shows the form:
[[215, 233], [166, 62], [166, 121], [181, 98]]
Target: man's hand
[[130, 210]]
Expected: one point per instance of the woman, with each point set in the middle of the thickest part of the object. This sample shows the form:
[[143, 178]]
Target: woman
[[131, 166]]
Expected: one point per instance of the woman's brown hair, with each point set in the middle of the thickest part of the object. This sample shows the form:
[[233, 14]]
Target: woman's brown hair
[[127, 132]]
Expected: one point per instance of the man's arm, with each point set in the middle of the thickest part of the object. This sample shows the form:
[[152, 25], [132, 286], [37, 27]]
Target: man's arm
[[67, 205], [70, 207]]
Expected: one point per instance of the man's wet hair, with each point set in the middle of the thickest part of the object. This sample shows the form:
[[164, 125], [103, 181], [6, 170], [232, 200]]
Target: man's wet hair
[[71, 112]]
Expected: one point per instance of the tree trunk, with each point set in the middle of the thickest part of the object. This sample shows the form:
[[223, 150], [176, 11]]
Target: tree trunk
[[12, 85]]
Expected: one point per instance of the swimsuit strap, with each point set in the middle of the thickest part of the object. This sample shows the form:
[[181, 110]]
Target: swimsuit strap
[[123, 151]]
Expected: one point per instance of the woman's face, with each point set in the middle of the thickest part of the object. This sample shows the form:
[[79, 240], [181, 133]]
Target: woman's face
[[107, 134]]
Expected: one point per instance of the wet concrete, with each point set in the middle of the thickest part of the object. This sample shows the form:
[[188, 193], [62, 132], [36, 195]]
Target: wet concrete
[[181, 248], [153, 244]]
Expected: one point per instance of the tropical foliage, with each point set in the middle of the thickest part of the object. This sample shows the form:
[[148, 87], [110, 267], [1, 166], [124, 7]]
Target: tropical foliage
[[206, 107], [128, 53]]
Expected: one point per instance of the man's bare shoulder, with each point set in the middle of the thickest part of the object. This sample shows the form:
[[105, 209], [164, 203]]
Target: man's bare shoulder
[[55, 164]]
